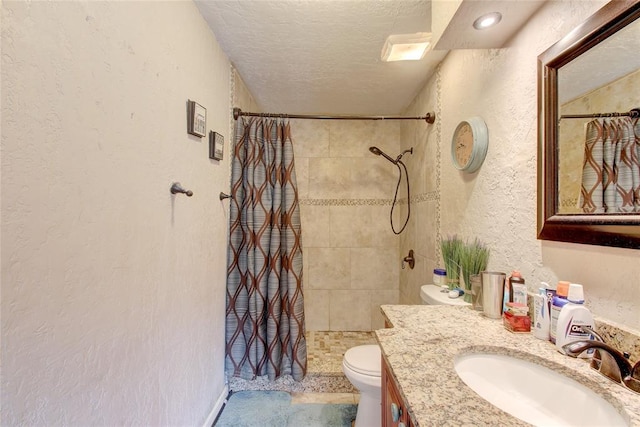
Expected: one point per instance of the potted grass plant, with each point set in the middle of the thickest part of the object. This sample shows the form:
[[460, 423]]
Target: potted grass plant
[[452, 248], [472, 259]]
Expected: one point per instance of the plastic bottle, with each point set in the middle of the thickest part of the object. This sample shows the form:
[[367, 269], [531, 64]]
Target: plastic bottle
[[572, 317], [515, 278], [518, 288], [440, 277], [558, 301], [541, 314]]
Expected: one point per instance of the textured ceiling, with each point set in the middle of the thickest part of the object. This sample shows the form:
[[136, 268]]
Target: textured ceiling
[[322, 56], [610, 60]]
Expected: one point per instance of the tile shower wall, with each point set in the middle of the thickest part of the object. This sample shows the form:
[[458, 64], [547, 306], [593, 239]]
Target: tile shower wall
[[351, 256], [421, 234]]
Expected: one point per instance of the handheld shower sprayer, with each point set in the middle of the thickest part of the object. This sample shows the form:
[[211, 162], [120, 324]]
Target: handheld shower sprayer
[[379, 152], [397, 162]]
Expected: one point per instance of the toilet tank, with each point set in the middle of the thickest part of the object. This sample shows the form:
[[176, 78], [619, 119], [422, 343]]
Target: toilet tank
[[435, 295]]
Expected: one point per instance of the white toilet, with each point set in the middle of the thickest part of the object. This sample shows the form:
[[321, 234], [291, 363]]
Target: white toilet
[[362, 365], [435, 295]]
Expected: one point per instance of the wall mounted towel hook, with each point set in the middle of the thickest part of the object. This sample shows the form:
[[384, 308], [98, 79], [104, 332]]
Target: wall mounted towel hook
[[225, 196], [177, 188]]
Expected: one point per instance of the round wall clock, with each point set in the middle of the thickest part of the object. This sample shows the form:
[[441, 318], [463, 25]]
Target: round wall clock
[[469, 144]]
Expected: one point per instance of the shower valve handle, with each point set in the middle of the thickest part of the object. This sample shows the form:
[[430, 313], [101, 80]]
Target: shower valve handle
[[409, 259]]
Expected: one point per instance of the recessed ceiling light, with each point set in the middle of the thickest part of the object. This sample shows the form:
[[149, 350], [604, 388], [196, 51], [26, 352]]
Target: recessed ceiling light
[[406, 47], [488, 20]]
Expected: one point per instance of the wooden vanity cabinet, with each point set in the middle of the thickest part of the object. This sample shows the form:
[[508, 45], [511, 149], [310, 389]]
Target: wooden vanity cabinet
[[394, 413]]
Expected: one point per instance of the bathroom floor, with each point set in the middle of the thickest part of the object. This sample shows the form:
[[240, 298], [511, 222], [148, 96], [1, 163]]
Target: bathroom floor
[[325, 349], [325, 381]]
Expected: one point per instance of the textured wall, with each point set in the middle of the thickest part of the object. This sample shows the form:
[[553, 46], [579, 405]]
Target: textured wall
[[498, 203], [112, 290], [351, 259]]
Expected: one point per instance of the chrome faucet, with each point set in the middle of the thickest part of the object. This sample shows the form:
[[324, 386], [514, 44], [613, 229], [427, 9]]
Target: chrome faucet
[[610, 363]]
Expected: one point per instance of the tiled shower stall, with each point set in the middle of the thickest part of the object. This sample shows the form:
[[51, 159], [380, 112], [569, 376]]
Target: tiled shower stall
[[352, 259]]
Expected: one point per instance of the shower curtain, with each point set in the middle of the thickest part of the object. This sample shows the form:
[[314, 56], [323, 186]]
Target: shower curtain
[[265, 316], [611, 166]]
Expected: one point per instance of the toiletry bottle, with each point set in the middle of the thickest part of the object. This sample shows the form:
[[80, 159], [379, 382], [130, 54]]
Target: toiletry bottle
[[518, 288], [556, 305], [440, 277], [572, 317], [515, 277], [541, 313], [551, 292]]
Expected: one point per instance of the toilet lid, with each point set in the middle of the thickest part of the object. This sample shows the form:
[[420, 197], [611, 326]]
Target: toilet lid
[[364, 359]]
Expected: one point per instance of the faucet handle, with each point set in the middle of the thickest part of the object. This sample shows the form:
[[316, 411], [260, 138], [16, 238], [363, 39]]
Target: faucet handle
[[609, 362], [605, 363], [615, 365]]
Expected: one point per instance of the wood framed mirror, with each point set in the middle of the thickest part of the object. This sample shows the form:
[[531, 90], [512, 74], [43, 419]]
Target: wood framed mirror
[[571, 85]]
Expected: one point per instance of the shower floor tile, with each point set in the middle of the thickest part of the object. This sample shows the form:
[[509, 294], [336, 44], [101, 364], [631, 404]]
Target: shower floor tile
[[325, 350]]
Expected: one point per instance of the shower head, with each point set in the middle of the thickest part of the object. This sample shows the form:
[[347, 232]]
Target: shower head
[[375, 150], [379, 152]]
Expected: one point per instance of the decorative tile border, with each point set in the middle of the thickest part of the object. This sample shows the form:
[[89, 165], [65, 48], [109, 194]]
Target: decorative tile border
[[438, 157], [344, 202], [569, 202], [425, 197]]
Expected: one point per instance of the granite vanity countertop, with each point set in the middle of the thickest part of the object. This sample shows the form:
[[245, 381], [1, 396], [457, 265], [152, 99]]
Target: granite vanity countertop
[[420, 349]]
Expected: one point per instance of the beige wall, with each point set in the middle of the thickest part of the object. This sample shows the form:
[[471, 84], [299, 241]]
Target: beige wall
[[351, 260], [424, 166], [112, 289], [498, 203]]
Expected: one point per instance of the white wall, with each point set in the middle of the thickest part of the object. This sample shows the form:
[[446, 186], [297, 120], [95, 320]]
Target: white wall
[[498, 203], [112, 290]]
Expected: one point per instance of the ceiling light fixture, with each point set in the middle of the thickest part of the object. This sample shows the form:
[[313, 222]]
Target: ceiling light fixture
[[406, 47], [488, 20]]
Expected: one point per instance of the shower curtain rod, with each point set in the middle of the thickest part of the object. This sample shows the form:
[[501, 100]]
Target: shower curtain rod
[[429, 118], [634, 113]]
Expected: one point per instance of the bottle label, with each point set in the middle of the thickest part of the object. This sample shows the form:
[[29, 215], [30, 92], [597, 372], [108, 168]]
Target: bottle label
[[555, 313], [575, 331]]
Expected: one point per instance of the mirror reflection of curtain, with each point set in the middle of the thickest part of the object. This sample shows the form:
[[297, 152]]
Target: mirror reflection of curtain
[[611, 167], [265, 316]]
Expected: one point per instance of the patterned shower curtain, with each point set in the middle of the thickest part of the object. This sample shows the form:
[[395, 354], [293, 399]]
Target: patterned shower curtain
[[265, 316], [611, 167]]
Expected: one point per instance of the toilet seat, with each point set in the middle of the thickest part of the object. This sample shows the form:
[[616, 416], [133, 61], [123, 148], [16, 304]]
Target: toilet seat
[[364, 359]]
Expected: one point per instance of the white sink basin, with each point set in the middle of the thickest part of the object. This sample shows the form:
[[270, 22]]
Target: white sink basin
[[533, 393]]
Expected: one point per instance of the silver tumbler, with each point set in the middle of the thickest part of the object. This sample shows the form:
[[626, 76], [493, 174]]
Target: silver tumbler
[[492, 293]]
